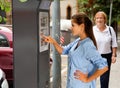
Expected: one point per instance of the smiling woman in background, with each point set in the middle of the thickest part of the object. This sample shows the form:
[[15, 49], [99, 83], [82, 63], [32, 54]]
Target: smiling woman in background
[[106, 39]]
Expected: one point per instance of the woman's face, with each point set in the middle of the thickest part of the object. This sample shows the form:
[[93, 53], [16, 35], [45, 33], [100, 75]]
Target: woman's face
[[99, 19], [76, 29]]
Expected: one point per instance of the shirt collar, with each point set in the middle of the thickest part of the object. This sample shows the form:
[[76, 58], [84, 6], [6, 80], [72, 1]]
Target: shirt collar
[[84, 40], [106, 29]]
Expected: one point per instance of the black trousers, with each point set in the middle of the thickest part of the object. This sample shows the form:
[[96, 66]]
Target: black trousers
[[104, 79]]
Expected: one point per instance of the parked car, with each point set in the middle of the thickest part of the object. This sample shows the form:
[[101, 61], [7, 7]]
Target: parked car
[[6, 53], [3, 80]]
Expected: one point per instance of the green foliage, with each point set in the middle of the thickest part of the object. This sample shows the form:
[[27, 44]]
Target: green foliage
[[0, 18], [104, 5], [97, 5], [4, 6], [82, 4]]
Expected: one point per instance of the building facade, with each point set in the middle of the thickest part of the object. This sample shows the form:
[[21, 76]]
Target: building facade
[[67, 8]]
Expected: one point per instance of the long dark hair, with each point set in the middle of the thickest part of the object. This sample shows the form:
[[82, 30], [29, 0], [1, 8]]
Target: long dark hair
[[83, 18]]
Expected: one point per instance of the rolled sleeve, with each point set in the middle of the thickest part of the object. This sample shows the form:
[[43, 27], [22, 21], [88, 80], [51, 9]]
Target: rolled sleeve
[[65, 50], [99, 61], [103, 63], [94, 56], [114, 42]]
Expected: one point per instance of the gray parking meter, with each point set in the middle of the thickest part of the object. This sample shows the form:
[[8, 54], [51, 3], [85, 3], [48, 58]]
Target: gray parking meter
[[31, 54]]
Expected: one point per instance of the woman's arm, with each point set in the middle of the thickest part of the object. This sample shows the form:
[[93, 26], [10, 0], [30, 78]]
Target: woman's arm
[[114, 54], [84, 77], [114, 45], [49, 39]]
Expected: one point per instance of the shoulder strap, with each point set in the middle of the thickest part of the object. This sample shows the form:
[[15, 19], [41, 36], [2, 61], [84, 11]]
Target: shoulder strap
[[110, 34], [110, 31]]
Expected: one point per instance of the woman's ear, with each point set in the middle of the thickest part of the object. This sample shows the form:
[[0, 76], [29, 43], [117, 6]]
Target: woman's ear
[[82, 27]]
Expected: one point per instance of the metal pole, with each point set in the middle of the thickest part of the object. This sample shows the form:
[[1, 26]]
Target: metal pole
[[111, 4], [56, 35]]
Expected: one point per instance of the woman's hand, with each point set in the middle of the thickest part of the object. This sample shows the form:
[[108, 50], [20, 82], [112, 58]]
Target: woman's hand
[[81, 76], [84, 77], [48, 39], [113, 59]]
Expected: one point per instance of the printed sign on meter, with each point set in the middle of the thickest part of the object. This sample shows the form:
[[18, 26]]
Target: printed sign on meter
[[43, 30]]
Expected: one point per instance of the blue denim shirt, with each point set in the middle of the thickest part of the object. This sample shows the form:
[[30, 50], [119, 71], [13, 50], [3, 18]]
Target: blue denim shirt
[[84, 58]]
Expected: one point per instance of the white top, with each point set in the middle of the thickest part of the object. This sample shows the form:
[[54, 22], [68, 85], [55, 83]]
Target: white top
[[103, 39]]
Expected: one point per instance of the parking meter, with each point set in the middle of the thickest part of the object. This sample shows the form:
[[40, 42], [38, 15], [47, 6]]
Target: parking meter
[[31, 53]]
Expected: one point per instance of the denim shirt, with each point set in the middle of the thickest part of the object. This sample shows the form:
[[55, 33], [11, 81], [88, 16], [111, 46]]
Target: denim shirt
[[84, 58]]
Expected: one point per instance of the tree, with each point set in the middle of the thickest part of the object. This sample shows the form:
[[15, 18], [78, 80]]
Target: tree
[[92, 6], [5, 6]]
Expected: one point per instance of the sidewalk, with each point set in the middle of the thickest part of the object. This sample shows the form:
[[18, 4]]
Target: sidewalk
[[115, 70], [114, 76]]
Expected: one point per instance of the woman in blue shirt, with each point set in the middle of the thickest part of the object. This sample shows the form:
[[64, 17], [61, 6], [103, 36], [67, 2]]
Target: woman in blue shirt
[[85, 64]]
